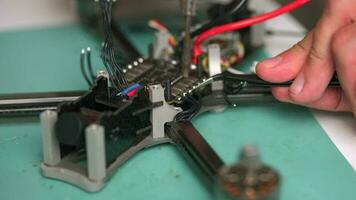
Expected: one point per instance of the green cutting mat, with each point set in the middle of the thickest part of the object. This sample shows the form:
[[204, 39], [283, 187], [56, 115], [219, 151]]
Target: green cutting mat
[[288, 136]]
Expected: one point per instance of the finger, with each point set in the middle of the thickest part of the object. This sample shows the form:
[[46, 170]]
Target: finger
[[285, 66], [333, 99], [344, 48], [281, 94], [312, 81]]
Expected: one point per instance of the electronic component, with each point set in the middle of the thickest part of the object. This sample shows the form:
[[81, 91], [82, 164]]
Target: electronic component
[[249, 179]]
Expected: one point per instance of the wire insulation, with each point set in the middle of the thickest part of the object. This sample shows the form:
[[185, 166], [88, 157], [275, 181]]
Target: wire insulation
[[235, 8], [111, 56], [90, 66], [131, 90], [82, 68]]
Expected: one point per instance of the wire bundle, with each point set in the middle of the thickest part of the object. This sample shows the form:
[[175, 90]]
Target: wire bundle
[[234, 6], [195, 103], [109, 56], [197, 50]]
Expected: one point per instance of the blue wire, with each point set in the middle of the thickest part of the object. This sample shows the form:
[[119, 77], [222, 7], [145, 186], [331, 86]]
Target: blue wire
[[130, 88]]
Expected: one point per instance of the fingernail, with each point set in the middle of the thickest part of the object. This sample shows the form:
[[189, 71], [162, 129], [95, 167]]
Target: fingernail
[[297, 85], [272, 62]]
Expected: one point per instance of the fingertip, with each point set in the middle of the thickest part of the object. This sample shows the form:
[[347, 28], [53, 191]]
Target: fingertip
[[275, 70], [264, 68], [261, 70], [270, 62], [283, 67], [288, 64]]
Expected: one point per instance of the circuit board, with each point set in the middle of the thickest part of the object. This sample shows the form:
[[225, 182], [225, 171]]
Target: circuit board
[[159, 72]]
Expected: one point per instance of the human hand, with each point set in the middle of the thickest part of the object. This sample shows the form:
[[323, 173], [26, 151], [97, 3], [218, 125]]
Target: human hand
[[330, 47]]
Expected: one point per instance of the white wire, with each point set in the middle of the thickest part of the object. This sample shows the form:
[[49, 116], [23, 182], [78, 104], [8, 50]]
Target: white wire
[[235, 71], [242, 2]]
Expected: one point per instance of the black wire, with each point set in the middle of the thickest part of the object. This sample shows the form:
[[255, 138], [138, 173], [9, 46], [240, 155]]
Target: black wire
[[197, 108], [235, 90], [285, 33], [90, 67], [195, 105], [82, 68]]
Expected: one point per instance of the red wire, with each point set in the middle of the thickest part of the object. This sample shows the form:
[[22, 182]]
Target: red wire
[[157, 24], [132, 93], [242, 24]]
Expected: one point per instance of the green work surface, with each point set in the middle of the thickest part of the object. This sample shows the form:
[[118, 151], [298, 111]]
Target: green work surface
[[288, 137]]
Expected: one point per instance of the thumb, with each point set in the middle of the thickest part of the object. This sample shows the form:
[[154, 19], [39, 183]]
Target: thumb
[[344, 48]]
